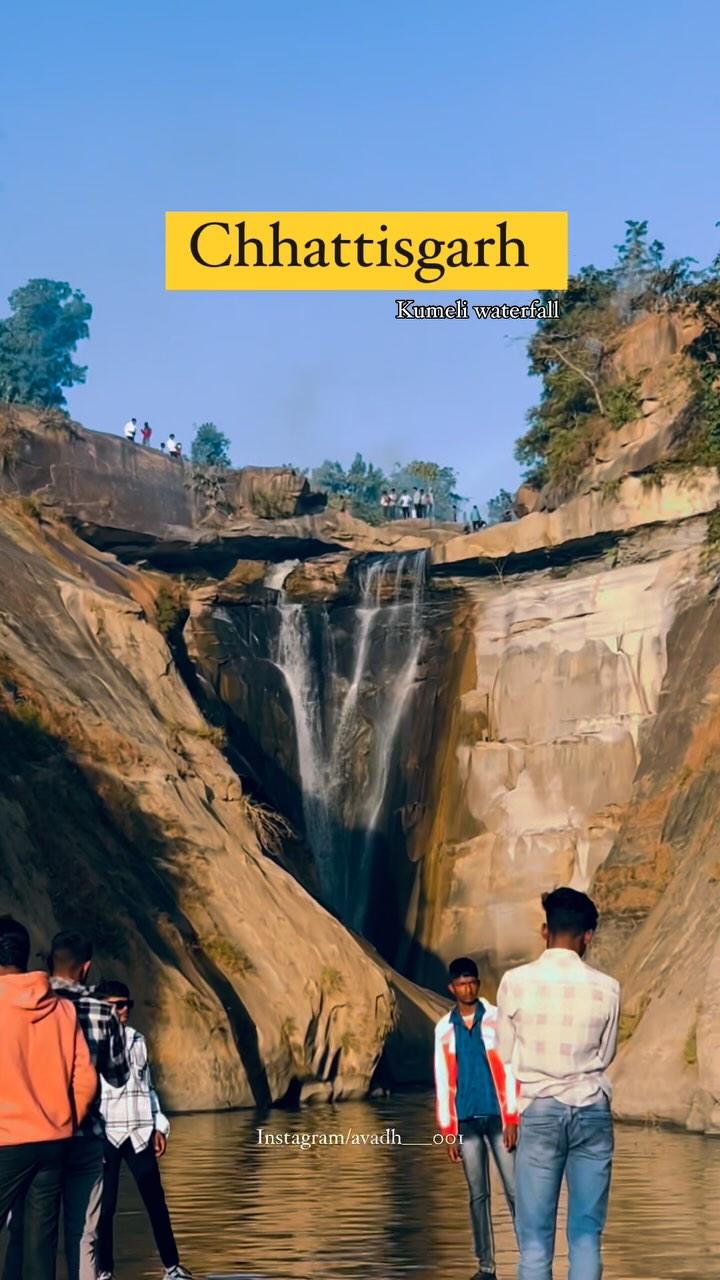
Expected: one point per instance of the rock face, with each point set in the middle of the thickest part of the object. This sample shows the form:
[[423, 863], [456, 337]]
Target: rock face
[[660, 894], [651, 353], [147, 508], [119, 815], [650, 356], [563, 670], [330, 676], [594, 519], [122, 494]]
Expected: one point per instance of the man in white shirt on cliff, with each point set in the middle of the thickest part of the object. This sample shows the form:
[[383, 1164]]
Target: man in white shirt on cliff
[[557, 1026]]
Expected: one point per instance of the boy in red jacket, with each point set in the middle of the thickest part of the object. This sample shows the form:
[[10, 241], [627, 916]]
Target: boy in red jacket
[[476, 1103]]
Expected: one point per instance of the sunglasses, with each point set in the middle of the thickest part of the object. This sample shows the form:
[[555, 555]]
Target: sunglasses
[[122, 1004]]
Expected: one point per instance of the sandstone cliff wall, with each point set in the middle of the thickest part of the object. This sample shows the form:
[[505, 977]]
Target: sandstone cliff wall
[[565, 668], [119, 815]]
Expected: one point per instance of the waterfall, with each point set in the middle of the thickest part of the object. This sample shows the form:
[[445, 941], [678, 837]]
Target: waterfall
[[293, 658], [343, 820]]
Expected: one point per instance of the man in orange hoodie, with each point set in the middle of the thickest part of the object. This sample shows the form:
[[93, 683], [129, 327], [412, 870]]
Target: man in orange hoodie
[[48, 1084]]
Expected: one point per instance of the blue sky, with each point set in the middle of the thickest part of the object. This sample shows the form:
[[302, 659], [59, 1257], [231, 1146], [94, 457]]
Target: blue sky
[[111, 114]]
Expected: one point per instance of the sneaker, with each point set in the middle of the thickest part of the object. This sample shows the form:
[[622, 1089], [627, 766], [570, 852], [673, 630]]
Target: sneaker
[[104, 1275], [175, 1273]]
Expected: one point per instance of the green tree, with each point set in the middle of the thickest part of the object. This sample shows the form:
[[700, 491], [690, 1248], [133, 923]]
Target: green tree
[[498, 506], [571, 355], [360, 486], [37, 342], [430, 475], [330, 477], [210, 447], [702, 445]]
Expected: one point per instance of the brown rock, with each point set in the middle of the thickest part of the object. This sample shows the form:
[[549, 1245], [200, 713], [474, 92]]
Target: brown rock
[[120, 816]]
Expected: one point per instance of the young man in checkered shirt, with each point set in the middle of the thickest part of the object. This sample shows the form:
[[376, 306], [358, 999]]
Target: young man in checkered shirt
[[557, 1025], [136, 1131]]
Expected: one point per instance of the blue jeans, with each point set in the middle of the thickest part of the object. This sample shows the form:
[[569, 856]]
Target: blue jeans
[[578, 1142], [480, 1135]]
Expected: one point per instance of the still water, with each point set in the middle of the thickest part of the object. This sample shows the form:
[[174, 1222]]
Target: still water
[[385, 1212]]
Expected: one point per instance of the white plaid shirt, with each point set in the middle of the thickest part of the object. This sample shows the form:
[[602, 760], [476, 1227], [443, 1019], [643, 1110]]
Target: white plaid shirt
[[133, 1111], [105, 1041], [557, 1026]]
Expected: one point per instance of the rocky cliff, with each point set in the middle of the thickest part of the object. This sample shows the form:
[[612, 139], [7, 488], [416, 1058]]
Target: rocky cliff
[[120, 815], [563, 670], [444, 725]]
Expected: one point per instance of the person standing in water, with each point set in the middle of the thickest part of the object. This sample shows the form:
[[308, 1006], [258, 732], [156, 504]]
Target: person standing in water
[[475, 1103], [558, 1024], [136, 1133], [48, 1084]]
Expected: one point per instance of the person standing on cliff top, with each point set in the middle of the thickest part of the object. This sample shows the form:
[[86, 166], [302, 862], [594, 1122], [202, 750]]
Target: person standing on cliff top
[[558, 1025], [130, 429], [146, 433], [48, 1084], [475, 1103], [136, 1131]]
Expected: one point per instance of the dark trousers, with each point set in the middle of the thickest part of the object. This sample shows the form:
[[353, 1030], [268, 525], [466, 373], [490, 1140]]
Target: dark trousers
[[34, 1171], [143, 1166]]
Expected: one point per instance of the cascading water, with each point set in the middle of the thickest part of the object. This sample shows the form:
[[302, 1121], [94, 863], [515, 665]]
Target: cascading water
[[294, 660], [345, 748]]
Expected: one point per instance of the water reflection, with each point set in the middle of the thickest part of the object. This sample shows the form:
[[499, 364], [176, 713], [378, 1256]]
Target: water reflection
[[381, 1212]]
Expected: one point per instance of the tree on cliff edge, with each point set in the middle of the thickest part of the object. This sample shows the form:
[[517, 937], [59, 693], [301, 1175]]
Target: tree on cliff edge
[[210, 447], [37, 341]]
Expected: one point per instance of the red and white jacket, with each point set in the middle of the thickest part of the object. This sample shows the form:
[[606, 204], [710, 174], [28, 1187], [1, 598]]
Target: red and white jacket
[[446, 1072]]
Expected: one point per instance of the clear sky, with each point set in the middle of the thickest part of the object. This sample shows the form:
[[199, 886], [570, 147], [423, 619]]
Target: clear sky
[[112, 114]]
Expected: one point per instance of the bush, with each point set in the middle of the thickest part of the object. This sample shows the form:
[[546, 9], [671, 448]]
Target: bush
[[171, 608], [712, 536], [623, 403], [331, 980], [210, 447], [610, 489], [690, 1050], [226, 955]]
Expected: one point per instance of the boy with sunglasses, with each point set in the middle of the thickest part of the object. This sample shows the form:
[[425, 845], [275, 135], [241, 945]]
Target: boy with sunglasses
[[136, 1131]]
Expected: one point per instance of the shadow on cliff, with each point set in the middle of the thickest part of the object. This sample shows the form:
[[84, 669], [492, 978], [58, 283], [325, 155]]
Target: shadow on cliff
[[102, 866]]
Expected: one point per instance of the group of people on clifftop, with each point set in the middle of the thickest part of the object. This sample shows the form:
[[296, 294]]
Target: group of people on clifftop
[[76, 1102], [418, 505], [172, 447]]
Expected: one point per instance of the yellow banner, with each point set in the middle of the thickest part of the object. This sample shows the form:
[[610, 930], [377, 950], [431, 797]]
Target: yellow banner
[[394, 251]]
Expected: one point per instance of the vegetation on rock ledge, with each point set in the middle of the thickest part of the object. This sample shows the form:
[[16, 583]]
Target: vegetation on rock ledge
[[581, 394]]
